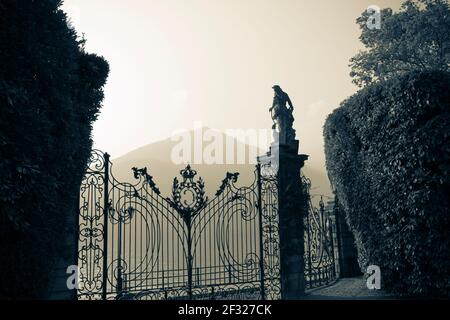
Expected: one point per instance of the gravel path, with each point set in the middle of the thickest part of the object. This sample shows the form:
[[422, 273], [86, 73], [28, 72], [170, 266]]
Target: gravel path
[[348, 289]]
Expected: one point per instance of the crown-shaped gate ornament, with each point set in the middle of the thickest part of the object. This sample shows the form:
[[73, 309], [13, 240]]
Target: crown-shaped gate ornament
[[188, 196]]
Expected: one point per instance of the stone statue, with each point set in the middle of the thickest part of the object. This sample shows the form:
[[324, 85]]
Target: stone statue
[[282, 117]]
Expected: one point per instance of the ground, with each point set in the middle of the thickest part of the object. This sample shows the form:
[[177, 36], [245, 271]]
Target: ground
[[348, 289]]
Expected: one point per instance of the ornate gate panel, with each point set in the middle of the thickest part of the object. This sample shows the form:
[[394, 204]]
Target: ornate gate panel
[[320, 268], [270, 230], [136, 244], [92, 227]]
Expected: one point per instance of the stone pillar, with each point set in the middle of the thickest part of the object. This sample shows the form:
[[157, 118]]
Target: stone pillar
[[292, 207]]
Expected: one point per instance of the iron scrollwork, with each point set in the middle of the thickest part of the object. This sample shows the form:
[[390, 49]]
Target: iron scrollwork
[[136, 244], [186, 246], [319, 246], [188, 196], [91, 228], [270, 231]]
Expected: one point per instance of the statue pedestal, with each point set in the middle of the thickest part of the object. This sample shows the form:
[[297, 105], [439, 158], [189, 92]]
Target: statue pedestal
[[292, 207], [285, 153]]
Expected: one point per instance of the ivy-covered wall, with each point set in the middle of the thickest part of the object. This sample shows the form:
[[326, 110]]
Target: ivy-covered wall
[[388, 158]]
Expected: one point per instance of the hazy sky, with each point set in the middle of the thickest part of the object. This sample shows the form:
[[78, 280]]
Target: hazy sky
[[174, 62]]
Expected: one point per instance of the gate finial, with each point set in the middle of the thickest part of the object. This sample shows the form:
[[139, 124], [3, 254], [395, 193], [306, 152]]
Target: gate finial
[[188, 196], [188, 173]]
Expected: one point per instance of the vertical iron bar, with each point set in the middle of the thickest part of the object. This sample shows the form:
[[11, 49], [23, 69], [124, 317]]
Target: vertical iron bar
[[332, 248], [308, 230], [261, 240], [197, 276], [189, 249], [105, 227], [119, 259], [323, 231]]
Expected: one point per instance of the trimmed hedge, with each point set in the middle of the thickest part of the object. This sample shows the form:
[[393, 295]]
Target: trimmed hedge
[[388, 159], [50, 93]]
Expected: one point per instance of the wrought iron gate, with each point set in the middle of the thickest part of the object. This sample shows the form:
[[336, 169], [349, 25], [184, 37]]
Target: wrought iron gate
[[320, 260], [136, 244]]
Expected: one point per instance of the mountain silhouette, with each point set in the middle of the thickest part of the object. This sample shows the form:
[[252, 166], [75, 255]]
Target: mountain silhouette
[[157, 158]]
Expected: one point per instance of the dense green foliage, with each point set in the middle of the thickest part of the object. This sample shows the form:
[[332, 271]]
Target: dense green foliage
[[417, 38], [388, 158], [50, 93]]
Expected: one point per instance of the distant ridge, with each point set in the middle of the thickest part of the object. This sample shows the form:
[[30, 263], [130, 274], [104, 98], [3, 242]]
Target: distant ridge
[[157, 158]]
